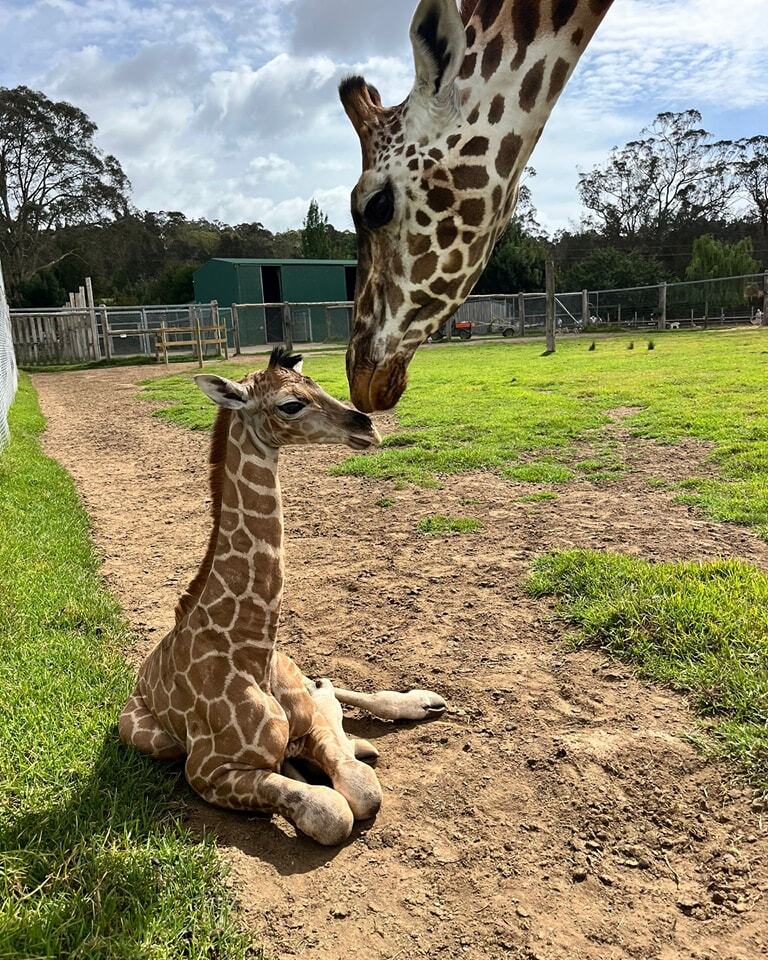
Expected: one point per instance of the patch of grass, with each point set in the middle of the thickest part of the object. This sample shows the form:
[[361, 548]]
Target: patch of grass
[[437, 524], [540, 472], [488, 406], [700, 627], [539, 497], [385, 502], [93, 860]]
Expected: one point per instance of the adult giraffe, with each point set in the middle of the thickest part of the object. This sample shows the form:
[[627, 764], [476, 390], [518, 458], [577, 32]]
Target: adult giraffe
[[441, 171]]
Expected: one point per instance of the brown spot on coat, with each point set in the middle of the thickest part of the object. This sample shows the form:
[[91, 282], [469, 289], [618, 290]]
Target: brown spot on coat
[[453, 262], [446, 233], [474, 115], [577, 37], [453, 140], [496, 110], [492, 57], [423, 219], [475, 147], [467, 177], [526, 17], [562, 11], [531, 85], [472, 211], [418, 243], [468, 67], [509, 151], [557, 79], [489, 12], [439, 199], [424, 267]]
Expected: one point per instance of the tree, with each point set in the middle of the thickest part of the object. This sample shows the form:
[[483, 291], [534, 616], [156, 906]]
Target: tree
[[52, 176], [751, 171], [673, 174], [712, 259], [608, 268], [315, 239], [516, 265]]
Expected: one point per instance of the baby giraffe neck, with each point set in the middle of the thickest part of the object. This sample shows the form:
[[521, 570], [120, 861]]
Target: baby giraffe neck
[[240, 601]]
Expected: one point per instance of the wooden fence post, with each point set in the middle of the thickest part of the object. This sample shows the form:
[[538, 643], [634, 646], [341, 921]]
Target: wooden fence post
[[164, 339], [521, 314], [287, 326], [327, 324], [236, 329], [105, 331], [194, 318], [662, 307], [550, 305], [92, 314], [584, 308]]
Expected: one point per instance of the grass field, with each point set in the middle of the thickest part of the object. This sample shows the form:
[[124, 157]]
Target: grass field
[[702, 628], [93, 861], [508, 408]]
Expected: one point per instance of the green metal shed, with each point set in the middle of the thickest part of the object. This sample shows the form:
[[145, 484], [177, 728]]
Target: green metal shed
[[298, 282]]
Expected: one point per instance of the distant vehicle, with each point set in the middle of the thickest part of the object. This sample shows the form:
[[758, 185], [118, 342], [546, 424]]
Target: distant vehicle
[[460, 328]]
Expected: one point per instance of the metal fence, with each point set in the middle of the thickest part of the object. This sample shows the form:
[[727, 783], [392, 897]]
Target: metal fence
[[206, 330]]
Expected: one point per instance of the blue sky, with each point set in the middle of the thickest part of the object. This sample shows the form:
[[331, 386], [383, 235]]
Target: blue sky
[[228, 109]]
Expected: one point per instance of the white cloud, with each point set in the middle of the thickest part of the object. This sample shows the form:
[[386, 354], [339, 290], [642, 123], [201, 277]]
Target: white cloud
[[229, 109]]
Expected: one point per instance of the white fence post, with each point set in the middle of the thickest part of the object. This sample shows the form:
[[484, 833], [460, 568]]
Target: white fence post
[[8, 374]]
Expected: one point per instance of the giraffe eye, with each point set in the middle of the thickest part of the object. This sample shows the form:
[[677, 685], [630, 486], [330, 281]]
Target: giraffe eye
[[291, 407], [380, 209]]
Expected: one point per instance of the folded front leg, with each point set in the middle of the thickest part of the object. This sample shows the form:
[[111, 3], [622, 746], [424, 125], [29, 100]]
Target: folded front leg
[[320, 812]]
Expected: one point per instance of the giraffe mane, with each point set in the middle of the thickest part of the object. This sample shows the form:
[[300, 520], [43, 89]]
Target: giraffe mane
[[217, 460]]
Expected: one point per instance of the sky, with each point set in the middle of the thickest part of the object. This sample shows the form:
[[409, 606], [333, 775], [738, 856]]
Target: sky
[[227, 109]]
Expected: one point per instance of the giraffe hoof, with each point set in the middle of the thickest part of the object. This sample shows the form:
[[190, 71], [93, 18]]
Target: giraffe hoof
[[365, 750], [325, 816]]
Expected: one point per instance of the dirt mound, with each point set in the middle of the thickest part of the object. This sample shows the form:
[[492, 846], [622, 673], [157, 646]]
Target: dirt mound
[[556, 811]]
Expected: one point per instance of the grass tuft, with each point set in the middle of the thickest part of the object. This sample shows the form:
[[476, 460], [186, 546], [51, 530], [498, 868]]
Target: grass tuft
[[700, 627], [437, 524], [540, 497], [93, 859]]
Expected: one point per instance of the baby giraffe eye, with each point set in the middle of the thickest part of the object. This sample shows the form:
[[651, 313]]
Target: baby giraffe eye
[[291, 407], [380, 209]]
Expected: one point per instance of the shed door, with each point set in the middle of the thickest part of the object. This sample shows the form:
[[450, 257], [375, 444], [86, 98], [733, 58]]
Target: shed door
[[273, 293]]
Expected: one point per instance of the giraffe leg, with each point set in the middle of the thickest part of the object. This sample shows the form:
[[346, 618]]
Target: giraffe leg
[[320, 812], [139, 728], [391, 705], [324, 696]]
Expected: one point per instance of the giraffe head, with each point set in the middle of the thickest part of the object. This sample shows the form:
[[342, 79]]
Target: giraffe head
[[282, 407], [441, 171]]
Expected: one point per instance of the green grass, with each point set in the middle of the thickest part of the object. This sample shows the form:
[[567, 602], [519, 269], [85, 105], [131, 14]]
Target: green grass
[[496, 405], [540, 497], [438, 525], [700, 627], [93, 861]]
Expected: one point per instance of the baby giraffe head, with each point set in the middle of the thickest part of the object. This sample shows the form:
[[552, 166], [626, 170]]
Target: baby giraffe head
[[282, 407]]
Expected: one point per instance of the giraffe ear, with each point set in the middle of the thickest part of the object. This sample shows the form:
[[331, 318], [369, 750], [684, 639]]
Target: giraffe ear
[[225, 392], [439, 44]]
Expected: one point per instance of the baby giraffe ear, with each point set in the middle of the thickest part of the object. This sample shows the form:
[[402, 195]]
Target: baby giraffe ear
[[298, 366], [225, 392], [439, 44]]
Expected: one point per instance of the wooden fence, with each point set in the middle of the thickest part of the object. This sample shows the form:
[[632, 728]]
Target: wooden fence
[[67, 336]]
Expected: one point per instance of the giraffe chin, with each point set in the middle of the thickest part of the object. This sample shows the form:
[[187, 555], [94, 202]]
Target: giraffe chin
[[379, 387]]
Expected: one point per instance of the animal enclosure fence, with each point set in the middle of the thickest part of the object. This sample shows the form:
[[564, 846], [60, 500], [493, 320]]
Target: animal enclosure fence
[[8, 375], [82, 334], [165, 332]]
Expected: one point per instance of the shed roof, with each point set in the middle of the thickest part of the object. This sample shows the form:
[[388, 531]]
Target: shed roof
[[255, 261]]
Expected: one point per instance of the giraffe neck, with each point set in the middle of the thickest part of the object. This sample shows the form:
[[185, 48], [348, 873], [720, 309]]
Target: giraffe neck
[[239, 603], [520, 54]]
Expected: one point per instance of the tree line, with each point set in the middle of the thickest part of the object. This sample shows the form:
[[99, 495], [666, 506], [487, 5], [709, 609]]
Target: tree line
[[673, 204]]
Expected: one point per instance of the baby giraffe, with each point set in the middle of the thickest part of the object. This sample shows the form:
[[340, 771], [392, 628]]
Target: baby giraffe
[[215, 689]]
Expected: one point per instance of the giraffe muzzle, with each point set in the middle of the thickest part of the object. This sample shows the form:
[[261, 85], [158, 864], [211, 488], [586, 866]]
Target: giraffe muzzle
[[378, 386]]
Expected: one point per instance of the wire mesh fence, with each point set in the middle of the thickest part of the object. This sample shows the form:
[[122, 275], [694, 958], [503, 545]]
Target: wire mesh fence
[[8, 374], [207, 330]]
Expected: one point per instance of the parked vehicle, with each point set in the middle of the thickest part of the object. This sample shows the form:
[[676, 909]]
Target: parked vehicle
[[460, 328]]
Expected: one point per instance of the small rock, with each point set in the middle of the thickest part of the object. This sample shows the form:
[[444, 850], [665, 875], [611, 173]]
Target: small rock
[[579, 874], [338, 913], [688, 906]]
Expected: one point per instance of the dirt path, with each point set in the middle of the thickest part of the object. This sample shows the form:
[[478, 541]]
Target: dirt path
[[555, 812]]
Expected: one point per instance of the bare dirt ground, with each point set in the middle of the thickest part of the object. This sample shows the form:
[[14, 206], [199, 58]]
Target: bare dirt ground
[[556, 811]]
